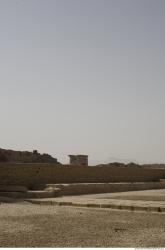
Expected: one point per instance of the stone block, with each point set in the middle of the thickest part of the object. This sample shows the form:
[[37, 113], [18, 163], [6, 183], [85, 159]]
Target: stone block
[[93, 205]]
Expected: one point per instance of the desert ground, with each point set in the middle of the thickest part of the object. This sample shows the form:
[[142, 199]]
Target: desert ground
[[27, 225]]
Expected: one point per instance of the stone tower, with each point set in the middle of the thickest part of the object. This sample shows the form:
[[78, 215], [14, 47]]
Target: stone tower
[[80, 160]]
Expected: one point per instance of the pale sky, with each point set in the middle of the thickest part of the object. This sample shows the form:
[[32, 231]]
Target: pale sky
[[83, 77]]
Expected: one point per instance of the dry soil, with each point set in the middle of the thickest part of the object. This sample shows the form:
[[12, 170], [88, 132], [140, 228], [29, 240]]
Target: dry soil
[[28, 225]]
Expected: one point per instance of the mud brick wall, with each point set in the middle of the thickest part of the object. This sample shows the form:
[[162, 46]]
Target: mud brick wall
[[36, 174]]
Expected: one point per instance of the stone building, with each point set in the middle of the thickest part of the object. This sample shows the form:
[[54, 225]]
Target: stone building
[[80, 160]]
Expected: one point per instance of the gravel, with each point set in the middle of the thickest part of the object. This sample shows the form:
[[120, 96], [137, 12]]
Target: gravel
[[28, 225]]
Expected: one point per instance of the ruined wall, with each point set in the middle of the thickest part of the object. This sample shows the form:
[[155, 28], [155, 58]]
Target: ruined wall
[[36, 174], [25, 157]]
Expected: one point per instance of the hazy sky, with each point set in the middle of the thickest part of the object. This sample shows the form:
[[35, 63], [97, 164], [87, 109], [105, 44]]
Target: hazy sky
[[83, 76]]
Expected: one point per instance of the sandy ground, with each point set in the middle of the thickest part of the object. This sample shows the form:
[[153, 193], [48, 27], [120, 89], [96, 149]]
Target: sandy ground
[[28, 225], [151, 200], [145, 195]]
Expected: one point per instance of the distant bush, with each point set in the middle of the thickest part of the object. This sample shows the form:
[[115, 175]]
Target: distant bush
[[132, 164]]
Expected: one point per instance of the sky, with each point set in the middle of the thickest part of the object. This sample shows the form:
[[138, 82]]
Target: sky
[[83, 77]]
